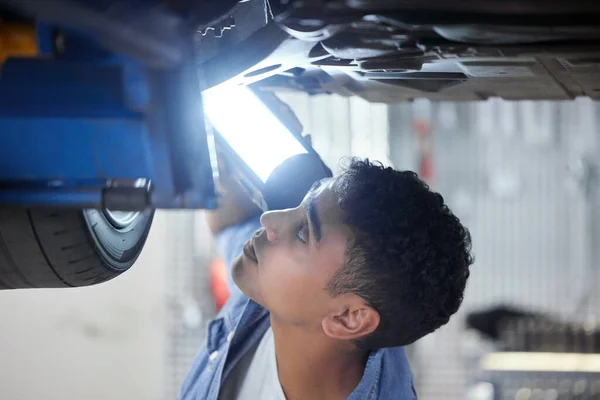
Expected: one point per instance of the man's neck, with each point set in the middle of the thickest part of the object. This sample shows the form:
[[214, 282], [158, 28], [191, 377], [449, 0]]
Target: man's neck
[[312, 366]]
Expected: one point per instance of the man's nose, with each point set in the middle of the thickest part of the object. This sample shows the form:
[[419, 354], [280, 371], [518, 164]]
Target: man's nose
[[271, 221]]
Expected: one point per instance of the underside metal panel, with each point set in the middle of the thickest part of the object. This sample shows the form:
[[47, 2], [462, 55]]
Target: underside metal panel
[[394, 51]]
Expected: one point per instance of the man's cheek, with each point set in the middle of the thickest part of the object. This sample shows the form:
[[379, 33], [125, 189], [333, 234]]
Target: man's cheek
[[282, 267], [275, 277]]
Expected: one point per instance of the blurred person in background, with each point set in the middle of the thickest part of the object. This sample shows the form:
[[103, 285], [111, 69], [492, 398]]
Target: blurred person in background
[[324, 296]]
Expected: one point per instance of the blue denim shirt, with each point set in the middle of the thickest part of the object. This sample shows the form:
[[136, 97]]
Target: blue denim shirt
[[241, 324]]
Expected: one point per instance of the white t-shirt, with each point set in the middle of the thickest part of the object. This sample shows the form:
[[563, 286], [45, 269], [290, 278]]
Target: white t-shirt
[[261, 380]]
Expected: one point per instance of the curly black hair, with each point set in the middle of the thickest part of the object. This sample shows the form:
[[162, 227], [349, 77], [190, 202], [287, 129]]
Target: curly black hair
[[408, 257]]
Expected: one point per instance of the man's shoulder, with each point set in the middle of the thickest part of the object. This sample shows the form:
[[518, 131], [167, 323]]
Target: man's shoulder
[[217, 357]]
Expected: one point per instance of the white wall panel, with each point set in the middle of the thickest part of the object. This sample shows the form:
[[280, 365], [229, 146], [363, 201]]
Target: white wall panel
[[342, 127], [96, 343]]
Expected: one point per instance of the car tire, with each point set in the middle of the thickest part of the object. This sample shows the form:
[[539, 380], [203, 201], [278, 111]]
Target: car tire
[[50, 248]]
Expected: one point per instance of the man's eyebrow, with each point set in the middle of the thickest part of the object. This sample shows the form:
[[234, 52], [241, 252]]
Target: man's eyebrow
[[313, 216]]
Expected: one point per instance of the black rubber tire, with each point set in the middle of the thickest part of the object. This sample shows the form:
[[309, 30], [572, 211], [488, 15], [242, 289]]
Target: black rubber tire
[[41, 248]]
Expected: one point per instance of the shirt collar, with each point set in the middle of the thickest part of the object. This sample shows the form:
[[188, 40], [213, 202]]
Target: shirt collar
[[369, 387]]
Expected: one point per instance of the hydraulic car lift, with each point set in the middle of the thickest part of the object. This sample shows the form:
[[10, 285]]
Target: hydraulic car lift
[[87, 128]]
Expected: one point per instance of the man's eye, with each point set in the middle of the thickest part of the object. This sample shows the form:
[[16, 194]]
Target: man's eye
[[302, 233]]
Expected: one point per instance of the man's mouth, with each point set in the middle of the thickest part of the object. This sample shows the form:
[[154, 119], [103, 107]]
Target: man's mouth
[[249, 251]]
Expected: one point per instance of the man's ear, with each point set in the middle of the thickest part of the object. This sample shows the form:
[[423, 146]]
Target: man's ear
[[351, 321]]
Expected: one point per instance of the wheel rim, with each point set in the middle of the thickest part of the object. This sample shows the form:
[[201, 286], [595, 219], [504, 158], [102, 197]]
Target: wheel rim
[[121, 219]]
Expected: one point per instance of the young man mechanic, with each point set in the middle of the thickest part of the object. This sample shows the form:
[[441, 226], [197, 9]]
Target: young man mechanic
[[371, 260]]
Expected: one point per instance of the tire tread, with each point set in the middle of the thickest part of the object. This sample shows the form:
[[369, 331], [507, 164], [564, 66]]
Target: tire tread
[[49, 248]]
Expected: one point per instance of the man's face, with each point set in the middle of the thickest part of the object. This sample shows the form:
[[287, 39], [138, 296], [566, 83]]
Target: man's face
[[286, 266]]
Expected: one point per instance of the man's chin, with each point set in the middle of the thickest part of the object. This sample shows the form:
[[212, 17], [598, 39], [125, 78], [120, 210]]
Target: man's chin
[[237, 270], [241, 276]]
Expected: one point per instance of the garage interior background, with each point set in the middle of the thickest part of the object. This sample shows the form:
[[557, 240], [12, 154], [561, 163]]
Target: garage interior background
[[520, 175]]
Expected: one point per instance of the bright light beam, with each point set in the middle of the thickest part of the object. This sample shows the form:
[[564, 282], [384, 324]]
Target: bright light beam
[[250, 128]]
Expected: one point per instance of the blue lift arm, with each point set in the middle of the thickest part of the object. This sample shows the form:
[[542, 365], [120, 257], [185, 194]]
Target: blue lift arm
[[82, 127]]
